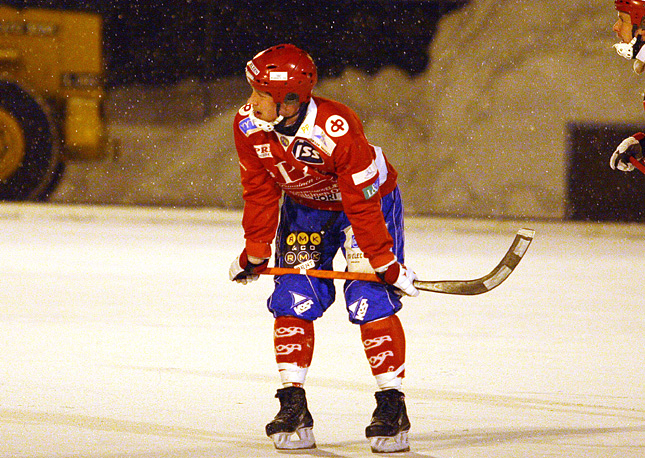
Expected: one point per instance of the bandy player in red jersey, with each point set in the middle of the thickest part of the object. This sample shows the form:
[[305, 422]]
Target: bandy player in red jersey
[[314, 184], [630, 30]]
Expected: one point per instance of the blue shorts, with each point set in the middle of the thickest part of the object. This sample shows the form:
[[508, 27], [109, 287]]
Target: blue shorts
[[310, 238]]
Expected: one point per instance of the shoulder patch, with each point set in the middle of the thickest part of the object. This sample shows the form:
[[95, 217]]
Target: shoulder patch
[[248, 126], [336, 126], [245, 110]]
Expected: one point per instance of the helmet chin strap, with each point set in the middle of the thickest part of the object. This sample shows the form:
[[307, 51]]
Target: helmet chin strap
[[630, 50], [269, 126], [266, 126]]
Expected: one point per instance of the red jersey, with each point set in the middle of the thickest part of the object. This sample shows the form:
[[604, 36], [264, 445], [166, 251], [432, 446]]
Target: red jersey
[[327, 165]]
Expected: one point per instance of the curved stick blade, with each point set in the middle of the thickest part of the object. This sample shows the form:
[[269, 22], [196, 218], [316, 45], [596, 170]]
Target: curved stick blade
[[493, 279]]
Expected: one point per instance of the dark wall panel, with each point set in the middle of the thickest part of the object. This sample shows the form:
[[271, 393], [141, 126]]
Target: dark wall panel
[[595, 192]]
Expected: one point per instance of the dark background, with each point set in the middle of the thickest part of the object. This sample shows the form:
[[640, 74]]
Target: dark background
[[163, 42], [595, 192]]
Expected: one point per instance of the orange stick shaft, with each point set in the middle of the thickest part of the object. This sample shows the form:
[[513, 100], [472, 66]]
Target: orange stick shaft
[[334, 274]]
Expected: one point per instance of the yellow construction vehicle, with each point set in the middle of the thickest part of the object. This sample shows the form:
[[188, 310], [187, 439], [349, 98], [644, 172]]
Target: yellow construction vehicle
[[51, 97]]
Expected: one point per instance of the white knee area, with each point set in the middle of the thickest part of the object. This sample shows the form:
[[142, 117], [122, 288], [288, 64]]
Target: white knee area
[[291, 375], [390, 380]]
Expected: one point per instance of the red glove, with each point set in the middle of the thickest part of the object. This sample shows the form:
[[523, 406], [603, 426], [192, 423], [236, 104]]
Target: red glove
[[246, 268], [399, 276]]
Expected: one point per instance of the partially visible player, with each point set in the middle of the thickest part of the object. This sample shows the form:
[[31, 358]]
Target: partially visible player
[[313, 182], [630, 29]]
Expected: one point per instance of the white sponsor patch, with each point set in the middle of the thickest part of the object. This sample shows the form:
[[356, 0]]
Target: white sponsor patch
[[356, 260], [301, 303], [359, 308], [307, 265], [253, 68], [365, 175], [322, 141], [263, 151], [278, 76], [336, 126], [302, 308]]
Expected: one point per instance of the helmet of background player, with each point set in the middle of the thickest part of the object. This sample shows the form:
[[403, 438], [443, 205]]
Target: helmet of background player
[[284, 71], [635, 9]]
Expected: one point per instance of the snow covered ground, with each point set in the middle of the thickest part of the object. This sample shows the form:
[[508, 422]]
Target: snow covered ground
[[121, 336]]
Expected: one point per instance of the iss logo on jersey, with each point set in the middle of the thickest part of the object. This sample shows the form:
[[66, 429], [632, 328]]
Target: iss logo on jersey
[[305, 152], [263, 151]]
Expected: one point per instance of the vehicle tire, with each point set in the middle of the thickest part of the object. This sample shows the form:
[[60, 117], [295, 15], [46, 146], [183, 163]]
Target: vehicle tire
[[29, 145], [50, 189]]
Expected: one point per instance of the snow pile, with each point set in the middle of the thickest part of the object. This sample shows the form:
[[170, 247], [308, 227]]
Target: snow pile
[[481, 133]]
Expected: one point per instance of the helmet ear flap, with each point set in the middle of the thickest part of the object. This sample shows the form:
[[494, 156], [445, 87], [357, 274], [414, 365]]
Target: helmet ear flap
[[291, 98]]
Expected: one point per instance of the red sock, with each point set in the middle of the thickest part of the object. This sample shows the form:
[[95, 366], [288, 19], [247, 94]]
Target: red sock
[[293, 340], [384, 344]]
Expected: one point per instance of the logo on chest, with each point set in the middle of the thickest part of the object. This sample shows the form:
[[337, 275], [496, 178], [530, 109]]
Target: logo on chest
[[305, 152]]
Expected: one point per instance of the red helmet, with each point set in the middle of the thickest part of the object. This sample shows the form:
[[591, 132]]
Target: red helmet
[[635, 9], [285, 72]]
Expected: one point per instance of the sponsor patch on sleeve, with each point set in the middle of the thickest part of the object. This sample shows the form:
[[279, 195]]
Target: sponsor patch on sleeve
[[370, 190], [365, 175]]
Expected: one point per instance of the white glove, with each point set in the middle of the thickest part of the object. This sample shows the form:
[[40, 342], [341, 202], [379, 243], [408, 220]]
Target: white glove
[[399, 276], [630, 147], [245, 268]]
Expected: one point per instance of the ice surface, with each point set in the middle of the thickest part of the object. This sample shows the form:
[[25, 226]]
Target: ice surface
[[123, 337]]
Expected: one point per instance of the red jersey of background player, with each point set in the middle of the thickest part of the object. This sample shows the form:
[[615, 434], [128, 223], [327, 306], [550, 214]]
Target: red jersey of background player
[[327, 165]]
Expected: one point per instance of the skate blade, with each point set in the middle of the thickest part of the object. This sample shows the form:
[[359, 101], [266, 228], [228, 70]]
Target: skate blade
[[285, 441], [384, 444]]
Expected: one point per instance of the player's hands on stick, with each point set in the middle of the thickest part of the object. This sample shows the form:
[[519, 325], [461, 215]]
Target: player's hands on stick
[[246, 269], [630, 147], [399, 276]]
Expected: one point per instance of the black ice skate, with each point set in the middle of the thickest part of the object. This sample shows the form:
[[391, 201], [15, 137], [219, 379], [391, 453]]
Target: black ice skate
[[388, 431], [292, 420]]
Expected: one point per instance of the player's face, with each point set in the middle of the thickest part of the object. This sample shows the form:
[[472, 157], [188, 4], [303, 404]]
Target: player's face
[[264, 107], [623, 27]]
